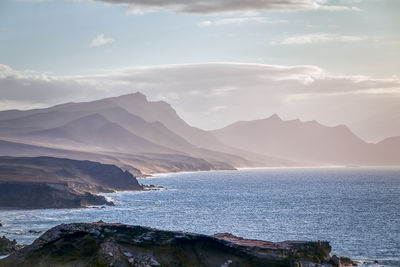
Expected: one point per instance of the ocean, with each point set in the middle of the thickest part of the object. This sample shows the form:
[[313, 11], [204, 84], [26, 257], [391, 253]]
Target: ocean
[[356, 209]]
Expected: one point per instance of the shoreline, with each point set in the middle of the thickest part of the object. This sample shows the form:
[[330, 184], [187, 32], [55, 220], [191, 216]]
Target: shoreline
[[108, 210], [162, 174]]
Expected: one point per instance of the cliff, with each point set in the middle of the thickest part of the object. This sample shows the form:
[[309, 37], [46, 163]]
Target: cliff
[[45, 195], [47, 182], [102, 244]]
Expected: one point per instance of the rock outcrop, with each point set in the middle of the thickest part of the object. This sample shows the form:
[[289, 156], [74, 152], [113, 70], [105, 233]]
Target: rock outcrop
[[47, 182], [8, 246], [102, 244], [46, 195]]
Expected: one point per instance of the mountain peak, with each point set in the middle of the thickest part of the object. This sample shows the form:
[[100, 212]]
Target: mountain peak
[[274, 117], [138, 97]]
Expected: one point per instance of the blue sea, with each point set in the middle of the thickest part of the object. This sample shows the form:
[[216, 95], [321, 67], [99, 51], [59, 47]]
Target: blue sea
[[356, 209]]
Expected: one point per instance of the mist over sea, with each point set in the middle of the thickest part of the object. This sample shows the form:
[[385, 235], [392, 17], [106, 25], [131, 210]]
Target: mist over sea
[[356, 209]]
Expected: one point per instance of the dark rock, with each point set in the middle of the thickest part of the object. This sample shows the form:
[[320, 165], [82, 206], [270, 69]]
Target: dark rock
[[77, 172], [8, 246], [34, 232], [47, 182], [102, 244], [335, 261], [347, 262], [45, 195]]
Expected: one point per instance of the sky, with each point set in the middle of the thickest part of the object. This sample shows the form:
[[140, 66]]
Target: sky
[[214, 61]]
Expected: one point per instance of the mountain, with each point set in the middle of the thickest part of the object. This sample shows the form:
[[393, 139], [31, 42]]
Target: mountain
[[148, 136], [139, 165], [126, 124], [164, 113], [309, 142], [97, 132], [388, 151], [136, 104]]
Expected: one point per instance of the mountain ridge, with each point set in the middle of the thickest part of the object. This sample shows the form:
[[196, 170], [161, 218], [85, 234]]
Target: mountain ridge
[[308, 141], [143, 132]]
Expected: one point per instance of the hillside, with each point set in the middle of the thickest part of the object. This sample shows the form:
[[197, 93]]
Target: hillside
[[309, 142], [147, 137], [128, 124]]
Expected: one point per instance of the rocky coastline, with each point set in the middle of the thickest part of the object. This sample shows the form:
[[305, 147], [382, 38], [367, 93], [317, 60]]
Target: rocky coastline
[[8, 246], [48, 182], [104, 244]]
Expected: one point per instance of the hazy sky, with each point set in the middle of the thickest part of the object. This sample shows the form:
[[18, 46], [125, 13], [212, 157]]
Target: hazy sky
[[215, 61]]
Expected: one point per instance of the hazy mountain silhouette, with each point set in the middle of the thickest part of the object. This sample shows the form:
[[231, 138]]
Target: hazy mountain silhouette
[[105, 126], [138, 164], [96, 131], [388, 151], [306, 141], [132, 132]]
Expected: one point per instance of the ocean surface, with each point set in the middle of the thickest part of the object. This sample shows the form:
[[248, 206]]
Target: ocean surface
[[356, 209]]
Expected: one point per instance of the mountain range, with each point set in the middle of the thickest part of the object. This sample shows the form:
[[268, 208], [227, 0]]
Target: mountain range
[[309, 142], [147, 137]]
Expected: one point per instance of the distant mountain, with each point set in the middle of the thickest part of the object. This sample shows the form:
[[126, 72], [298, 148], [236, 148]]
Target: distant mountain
[[309, 142], [163, 112], [104, 131], [97, 132], [148, 136], [129, 124], [139, 165], [388, 151], [135, 104]]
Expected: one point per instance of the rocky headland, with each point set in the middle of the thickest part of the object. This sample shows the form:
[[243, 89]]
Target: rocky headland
[[103, 244], [47, 182]]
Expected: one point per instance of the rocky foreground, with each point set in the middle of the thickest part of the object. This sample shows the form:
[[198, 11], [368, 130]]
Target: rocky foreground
[[8, 246], [103, 244]]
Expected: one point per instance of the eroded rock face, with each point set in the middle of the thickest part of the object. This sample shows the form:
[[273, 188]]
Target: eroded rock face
[[45, 195], [47, 182], [102, 244]]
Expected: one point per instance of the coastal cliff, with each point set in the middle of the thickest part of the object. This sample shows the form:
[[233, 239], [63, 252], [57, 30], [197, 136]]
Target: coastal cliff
[[103, 244], [47, 182], [45, 195]]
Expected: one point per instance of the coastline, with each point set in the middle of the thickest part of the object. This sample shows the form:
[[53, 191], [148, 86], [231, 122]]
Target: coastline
[[163, 174], [154, 206]]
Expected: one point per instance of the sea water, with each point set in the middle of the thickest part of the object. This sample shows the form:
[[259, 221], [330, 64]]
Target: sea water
[[356, 209]]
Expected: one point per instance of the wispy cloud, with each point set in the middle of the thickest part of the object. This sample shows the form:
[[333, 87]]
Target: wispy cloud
[[239, 20], [100, 40], [318, 38], [225, 6]]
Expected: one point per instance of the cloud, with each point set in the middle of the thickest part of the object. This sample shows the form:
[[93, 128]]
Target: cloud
[[225, 6], [100, 40], [211, 95], [239, 20], [318, 38]]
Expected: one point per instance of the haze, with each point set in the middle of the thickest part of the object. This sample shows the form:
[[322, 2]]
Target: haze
[[215, 62]]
